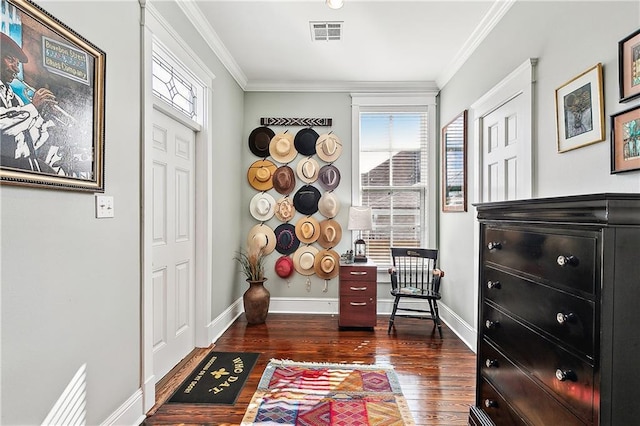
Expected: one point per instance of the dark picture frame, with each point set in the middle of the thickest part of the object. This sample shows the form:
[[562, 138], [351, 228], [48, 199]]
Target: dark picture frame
[[625, 140], [629, 66], [454, 164], [51, 145], [580, 110]]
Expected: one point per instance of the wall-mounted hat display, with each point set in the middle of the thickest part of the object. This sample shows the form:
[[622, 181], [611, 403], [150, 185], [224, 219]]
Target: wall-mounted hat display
[[284, 266], [329, 177], [306, 199], [305, 141], [260, 173], [259, 141], [329, 205], [308, 169], [326, 264], [286, 240], [284, 180], [304, 259], [330, 233], [308, 229], [282, 148], [285, 210], [328, 147], [262, 206], [262, 236]]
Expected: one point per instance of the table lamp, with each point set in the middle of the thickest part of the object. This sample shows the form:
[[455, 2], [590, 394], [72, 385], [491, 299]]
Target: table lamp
[[360, 220]]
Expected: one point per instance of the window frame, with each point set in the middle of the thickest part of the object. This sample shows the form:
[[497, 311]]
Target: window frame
[[400, 102]]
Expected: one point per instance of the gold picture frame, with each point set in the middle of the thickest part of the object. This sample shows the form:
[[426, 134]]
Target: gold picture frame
[[47, 144], [454, 164], [580, 110]]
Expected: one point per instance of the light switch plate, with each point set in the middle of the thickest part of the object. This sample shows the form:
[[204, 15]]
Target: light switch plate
[[104, 206]]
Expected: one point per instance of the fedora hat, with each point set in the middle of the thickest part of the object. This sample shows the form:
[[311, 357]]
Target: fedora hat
[[260, 173], [306, 199], [261, 236], [259, 141], [307, 229], [285, 210], [328, 147], [284, 267], [327, 264], [305, 141], [10, 47], [329, 177], [304, 259], [282, 148], [286, 240], [330, 233], [308, 170], [262, 206], [329, 205], [284, 180]]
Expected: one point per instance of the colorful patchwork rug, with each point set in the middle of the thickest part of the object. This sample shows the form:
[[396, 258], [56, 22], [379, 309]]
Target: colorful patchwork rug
[[312, 394]]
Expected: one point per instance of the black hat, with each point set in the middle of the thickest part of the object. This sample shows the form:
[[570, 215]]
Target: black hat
[[10, 47], [286, 240], [305, 141], [306, 200], [259, 140]]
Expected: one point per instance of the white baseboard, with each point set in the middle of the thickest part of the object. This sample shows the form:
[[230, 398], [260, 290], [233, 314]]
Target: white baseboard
[[462, 329], [222, 322], [129, 413]]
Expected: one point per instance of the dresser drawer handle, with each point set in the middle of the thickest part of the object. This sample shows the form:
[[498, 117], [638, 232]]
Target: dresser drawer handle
[[494, 245], [491, 363], [567, 260], [493, 284], [564, 375], [357, 288], [358, 273], [490, 325], [563, 318], [358, 303], [490, 403]]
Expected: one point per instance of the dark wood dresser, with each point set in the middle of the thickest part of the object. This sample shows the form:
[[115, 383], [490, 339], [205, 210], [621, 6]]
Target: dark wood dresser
[[358, 294], [559, 312]]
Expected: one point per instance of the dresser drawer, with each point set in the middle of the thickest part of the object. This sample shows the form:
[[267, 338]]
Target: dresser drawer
[[496, 407], [357, 312], [564, 375], [357, 289], [567, 260], [358, 273], [568, 318]]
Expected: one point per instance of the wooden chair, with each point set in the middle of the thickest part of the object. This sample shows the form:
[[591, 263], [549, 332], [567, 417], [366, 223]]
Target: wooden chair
[[414, 276]]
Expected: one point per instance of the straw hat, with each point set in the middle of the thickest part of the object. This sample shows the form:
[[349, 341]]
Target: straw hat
[[329, 177], [259, 175], [305, 141], [329, 205], [286, 239], [328, 147], [284, 180], [326, 264], [282, 149], [284, 267], [285, 210], [307, 229], [259, 141], [261, 236], [306, 199], [262, 206], [308, 169], [330, 233], [304, 259]]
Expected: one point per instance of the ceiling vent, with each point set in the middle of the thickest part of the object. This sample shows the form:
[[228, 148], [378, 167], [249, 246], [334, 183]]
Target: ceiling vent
[[326, 31]]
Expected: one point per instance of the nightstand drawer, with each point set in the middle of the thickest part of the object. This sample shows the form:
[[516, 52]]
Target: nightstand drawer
[[355, 272], [357, 312], [357, 289]]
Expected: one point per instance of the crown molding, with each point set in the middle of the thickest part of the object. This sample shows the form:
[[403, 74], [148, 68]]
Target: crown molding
[[342, 86], [488, 23]]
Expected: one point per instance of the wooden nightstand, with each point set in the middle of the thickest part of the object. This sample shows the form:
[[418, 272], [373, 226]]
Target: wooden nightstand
[[358, 294]]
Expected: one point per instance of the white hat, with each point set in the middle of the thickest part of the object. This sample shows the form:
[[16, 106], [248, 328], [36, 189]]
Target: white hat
[[262, 236], [308, 170], [304, 259], [329, 205], [328, 147], [262, 206]]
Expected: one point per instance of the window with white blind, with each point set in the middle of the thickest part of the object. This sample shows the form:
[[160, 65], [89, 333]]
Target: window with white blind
[[395, 171]]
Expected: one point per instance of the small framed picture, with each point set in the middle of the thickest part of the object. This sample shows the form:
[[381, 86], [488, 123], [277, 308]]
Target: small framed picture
[[454, 164], [625, 140], [580, 110], [629, 67]]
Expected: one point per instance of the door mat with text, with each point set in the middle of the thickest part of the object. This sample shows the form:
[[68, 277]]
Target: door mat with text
[[218, 379]]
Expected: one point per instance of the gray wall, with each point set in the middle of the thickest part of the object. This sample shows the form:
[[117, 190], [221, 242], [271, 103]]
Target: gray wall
[[567, 38]]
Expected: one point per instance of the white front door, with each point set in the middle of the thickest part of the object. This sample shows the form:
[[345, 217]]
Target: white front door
[[173, 242]]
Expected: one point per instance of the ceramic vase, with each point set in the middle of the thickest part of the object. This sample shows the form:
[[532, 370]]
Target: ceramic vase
[[256, 302]]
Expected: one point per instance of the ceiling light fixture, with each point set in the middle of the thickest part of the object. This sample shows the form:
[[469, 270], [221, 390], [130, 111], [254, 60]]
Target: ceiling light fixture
[[335, 4]]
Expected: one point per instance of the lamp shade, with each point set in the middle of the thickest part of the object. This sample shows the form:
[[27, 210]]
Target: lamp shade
[[360, 218]]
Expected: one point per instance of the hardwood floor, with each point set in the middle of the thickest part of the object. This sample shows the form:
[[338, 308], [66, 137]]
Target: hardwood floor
[[437, 375]]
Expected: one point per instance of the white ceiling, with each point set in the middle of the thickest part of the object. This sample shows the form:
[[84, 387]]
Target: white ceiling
[[395, 45]]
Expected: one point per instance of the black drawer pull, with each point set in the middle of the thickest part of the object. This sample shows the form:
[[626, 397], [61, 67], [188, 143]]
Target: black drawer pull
[[563, 318], [491, 363], [493, 284], [564, 375], [490, 403], [490, 325], [494, 245], [567, 260]]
